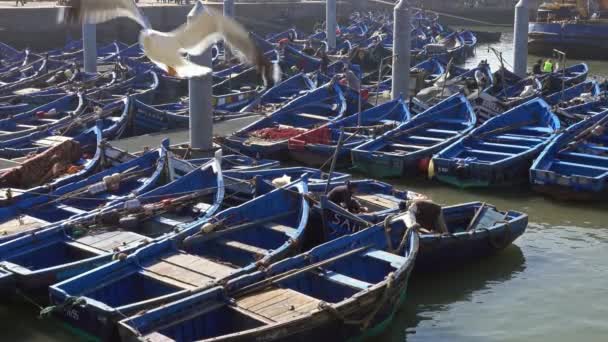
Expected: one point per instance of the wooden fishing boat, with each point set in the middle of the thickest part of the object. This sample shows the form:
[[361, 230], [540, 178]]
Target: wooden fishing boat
[[574, 166], [76, 199], [267, 137], [142, 86], [499, 152], [431, 70], [578, 93], [243, 185], [52, 114], [407, 149], [359, 284], [66, 250], [476, 230], [318, 145], [564, 78], [280, 94], [505, 95], [113, 119], [377, 200], [573, 114], [31, 75], [470, 42], [235, 162], [449, 47], [232, 243], [456, 80]]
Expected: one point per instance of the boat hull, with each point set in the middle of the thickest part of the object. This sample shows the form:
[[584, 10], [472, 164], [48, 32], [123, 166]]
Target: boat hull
[[588, 41]]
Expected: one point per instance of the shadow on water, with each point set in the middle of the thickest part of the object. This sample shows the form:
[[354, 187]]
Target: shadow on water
[[433, 293]]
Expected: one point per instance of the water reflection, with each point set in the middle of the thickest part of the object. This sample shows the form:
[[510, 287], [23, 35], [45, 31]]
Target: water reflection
[[430, 294]]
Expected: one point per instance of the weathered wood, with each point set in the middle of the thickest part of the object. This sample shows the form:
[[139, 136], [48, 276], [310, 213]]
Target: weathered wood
[[242, 246], [51, 141], [280, 228], [278, 304], [24, 223], [377, 200]]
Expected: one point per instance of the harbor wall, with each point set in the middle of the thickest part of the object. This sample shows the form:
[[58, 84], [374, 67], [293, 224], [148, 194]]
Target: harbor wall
[[37, 28]]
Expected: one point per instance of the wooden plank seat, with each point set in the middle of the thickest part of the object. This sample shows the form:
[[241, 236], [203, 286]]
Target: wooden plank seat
[[408, 147], [344, 280], [395, 260], [242, 246], [581, 166], [280, 228], [187, 271], [51, 141], [517, 137], [108, 241], [313, 116], [491, 144], [24, 223], [442, 131], [277, 304], [378, 201], [504, 154], [590, 157], [431, 139]]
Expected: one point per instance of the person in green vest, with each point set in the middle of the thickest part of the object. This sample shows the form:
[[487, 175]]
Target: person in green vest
[[548, 67]]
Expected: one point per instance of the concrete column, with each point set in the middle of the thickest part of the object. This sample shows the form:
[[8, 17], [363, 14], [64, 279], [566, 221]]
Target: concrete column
[[89, 42], [330, 19], [229, 11], [401, 50], [200, 91], [520, 38]]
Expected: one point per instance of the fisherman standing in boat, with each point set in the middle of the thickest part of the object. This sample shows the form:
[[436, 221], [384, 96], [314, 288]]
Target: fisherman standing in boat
[[537, 68], [548, 67], [343, 196], [352, 81], [424, 215]]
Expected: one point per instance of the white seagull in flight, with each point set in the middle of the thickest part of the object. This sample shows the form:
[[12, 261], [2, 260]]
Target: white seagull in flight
[[168, 49]]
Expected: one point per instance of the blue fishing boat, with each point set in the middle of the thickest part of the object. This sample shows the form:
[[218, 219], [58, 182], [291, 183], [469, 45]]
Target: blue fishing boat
[[575, 28], [375, 201], [574, 166], [564, 78], [504, 95], [267, 137], [432, 70], [476, 230], [318, 145], [470, 82], [142, 86], [242, 185], [235, 162], [234, 242], [275, 97], [407, 149], [359, 281], [577, 93], [76, 199], [576, 113], [66, 250], [499, 152], [470, 42], [55, 113]]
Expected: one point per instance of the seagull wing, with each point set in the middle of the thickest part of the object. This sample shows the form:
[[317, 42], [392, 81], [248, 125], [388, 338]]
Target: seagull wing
[[206, 28], [203, 30], [99, 11]]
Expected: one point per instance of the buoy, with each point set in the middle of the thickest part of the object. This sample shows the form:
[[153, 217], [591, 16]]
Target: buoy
[[431, 169]]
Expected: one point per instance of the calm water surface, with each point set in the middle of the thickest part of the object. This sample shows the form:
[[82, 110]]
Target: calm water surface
[[549, 286]]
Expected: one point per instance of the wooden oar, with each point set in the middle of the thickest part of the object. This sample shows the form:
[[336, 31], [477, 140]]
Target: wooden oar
[[292, 273]]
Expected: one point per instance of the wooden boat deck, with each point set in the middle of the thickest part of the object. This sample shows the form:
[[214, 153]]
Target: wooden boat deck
[[109, 241], [51, 141], [188, 271], [378, 201], [277, 305], [24, 223]]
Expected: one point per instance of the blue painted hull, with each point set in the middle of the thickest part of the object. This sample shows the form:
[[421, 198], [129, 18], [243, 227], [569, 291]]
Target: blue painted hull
[[586, 41]]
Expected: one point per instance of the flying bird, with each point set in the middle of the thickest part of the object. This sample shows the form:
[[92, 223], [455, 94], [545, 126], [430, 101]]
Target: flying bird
[[168, 49]]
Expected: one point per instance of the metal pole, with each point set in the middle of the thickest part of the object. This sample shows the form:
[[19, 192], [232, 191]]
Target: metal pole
[[89, 44], [200, 91], [334, 159], [401, 50], [228, 12], [520, 38], [330, 18]]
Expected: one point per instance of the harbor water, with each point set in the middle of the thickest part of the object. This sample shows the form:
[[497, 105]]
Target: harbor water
[[549, 286]]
